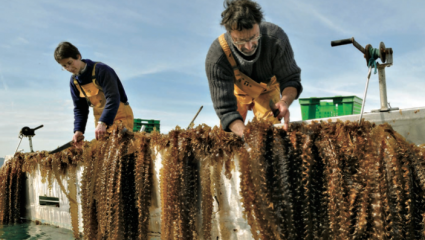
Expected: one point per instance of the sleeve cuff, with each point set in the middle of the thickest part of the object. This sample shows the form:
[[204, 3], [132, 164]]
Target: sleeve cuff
[[108, 123], [78, 130], [227, 119], [294, 84]]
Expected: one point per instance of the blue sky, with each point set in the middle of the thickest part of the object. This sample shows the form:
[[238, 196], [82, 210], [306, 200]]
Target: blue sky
[[158, 49]]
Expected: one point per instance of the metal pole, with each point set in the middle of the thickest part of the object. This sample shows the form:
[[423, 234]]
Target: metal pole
[[365, 92], [18, 144], [30, 139], [195, 117], [383, 88]]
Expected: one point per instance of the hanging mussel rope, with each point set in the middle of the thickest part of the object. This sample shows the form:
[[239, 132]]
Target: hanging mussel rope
[[319, 181]]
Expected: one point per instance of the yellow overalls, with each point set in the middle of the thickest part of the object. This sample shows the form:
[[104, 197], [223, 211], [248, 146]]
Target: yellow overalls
[[249, 93], [96, 99]]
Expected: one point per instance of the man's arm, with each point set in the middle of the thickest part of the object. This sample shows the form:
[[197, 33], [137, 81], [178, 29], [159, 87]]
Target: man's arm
[[288, 74], [108, 80], [220, 79], [224, 101], [288, 96], [285, 68], [81, 112], [237, 127], [81, 109]]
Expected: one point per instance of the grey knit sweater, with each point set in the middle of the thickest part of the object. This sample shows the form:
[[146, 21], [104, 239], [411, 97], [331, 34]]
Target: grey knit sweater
[[274, 57]]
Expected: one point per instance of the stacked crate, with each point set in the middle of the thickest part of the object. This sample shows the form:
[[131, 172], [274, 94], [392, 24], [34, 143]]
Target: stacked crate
[[150, 125]]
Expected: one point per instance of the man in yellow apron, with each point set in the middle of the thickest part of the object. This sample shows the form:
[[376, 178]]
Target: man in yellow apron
[[96, 85], [249, 66]]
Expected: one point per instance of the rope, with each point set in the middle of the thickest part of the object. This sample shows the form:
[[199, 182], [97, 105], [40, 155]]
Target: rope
[[374, 54]]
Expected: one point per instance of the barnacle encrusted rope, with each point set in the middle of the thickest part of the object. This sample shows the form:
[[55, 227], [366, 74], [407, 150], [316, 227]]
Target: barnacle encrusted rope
[[319, 181]]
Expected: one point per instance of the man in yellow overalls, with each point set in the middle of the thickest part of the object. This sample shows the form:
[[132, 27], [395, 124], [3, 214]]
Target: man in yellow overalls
[[249, 66], [93, 84]]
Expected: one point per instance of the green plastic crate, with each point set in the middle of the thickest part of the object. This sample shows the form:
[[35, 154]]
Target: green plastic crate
[[146, 121], [149, 124], [324, 107]]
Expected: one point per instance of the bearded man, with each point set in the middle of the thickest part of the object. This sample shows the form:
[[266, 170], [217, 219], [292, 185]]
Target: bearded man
[[251, 67]]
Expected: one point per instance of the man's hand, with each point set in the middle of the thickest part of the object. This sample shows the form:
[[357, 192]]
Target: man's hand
[[100, 130], [283, 107], [78, 135], [237, 127]]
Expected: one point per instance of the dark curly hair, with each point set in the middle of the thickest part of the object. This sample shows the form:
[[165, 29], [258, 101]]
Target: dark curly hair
[[66, 50], [240, 14]]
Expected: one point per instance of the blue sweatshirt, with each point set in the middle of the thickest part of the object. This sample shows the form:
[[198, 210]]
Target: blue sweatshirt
[[112, 87]]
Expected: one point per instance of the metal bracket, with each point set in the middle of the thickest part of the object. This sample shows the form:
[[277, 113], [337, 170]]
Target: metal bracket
[[383, 86], [20, 136]]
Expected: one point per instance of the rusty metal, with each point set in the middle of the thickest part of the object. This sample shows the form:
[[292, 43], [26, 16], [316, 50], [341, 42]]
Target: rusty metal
[[348, 41], [367, 54], [358, 46], [190, 124], [389, 56], [382, 52]]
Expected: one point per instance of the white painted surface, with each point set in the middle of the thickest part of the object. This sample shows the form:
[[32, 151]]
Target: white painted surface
[[410, 122], [228, 213], [7, 158], [57, 216]]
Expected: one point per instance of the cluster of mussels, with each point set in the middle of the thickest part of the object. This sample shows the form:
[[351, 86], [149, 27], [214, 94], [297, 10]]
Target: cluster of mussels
[[332, 181], [12, 181], [318, 181]]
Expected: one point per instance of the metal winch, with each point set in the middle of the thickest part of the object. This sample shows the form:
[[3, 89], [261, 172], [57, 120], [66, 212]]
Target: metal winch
[[371, 55], [27, 132]]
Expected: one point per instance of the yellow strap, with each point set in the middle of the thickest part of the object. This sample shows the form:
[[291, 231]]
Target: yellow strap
[[242, 81], [93, 79], [229, 55]]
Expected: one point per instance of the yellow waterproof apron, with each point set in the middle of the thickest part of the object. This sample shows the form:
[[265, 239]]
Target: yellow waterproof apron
[[96, 99], [249, 93]]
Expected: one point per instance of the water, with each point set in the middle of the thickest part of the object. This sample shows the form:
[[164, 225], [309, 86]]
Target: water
[[30, 230]]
